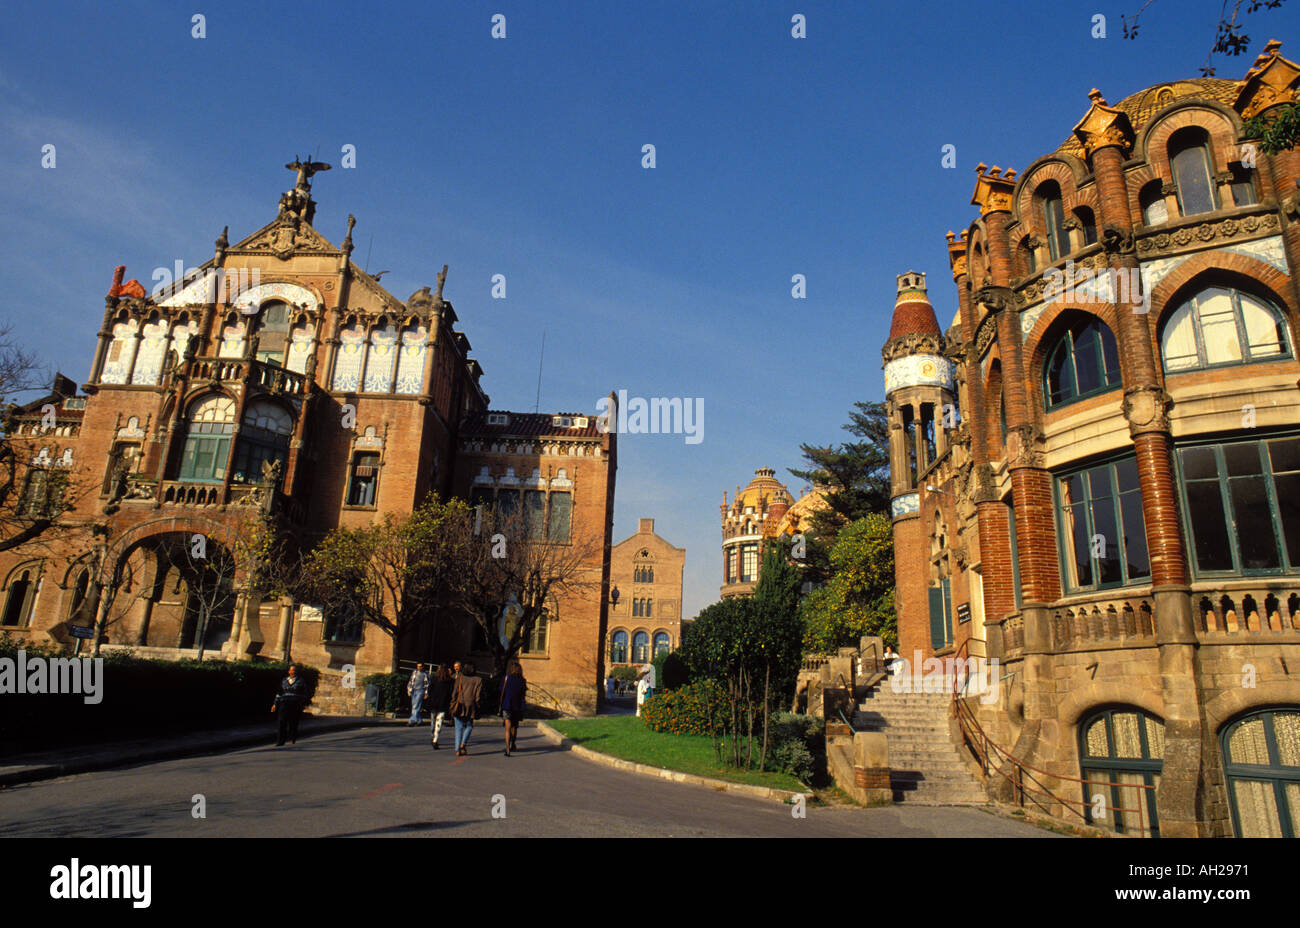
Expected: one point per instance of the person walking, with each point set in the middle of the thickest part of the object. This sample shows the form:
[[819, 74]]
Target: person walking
[[439, 699], [464, 705], [289, 702], [513, 688], [416, 687]]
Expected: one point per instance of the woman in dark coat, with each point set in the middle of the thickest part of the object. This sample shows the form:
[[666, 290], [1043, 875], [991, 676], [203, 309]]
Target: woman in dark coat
[[464, 705], [513, 688], [439, 700], [289, 702]]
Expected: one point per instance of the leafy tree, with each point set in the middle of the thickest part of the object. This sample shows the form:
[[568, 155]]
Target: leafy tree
[[853, 477], [1229, 39], [393, 573], [859, 598], [776, 644], [1277, 130]]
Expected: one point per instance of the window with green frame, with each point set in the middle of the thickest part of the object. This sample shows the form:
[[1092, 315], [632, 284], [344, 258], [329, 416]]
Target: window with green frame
[[1122, 750], [1100, 526], [1220, 327], [1261, 759], [1241, 504], [1083, 363], [209, 427]]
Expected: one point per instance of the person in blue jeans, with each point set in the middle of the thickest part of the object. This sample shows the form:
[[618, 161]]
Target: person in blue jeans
[[416, 687], [464, 705]]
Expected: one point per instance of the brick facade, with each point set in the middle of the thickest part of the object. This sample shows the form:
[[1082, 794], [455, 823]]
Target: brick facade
[[279, 382], [983, 510], [647, 571]]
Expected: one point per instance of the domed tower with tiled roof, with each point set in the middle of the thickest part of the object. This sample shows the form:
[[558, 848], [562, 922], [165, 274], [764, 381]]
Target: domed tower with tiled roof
[[747, 522], [918, 390]]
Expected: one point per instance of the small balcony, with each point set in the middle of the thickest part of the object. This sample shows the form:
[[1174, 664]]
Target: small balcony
[[258, 375]]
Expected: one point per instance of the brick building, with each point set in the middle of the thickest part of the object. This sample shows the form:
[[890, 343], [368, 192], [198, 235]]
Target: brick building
[[1096, 467], [647, 619], [281, 383]]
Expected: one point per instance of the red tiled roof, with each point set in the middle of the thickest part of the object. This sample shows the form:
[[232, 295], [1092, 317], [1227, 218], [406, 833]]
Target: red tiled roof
[[914, 317]]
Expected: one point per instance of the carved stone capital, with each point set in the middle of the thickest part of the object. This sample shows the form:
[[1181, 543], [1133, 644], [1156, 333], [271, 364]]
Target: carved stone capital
[[1024, 446], [1168, 189], [1147, 409]]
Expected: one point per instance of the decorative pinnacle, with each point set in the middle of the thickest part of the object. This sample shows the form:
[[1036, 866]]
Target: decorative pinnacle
[[1095, 96]]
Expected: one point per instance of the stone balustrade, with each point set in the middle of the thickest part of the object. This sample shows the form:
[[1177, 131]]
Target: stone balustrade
[[1105, 619]]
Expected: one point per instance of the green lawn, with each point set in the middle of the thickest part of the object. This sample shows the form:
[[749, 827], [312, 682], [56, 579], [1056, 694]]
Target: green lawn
[[626, 737]]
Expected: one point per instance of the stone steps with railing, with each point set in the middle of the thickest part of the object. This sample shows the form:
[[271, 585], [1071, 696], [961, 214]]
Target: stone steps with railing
[[926, 765]]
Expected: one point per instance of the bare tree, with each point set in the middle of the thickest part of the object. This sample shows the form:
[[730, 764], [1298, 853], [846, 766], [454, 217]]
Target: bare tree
[[509, 561]]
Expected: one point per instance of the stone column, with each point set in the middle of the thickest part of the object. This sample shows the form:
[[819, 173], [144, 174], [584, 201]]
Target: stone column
[[286, 627]]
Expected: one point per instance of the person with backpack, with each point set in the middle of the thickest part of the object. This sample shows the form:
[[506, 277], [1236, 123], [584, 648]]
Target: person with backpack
[[439, 700], [464, 705]]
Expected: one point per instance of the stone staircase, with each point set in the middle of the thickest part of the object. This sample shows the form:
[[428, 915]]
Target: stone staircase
[[926, 765]]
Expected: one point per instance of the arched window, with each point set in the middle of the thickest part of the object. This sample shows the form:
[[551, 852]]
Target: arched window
[[1152, 200], [1087, 223], [640, 648], [79, 609], [263, 439], [1052, 207], [273, 332], [662, 643], [618, 648], [1221, 326], [1261, 758], [1084, 362], [1189, 159], [19, 599], [208, 428], [1122, 750]]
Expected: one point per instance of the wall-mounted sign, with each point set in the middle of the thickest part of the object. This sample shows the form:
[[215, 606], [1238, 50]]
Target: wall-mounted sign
[[963, 613]]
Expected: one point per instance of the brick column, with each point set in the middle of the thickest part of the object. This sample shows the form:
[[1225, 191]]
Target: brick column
[[1146, 407]]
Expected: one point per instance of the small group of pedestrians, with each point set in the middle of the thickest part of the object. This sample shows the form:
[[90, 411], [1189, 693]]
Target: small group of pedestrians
[[459, 693]]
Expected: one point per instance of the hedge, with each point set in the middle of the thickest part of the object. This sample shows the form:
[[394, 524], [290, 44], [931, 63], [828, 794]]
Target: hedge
[[143, 697]]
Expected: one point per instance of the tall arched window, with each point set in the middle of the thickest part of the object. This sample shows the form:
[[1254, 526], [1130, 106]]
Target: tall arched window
[[1084, 362], [1261, 758], [273, 332], [80, 611], [1189, 159], [662, 643], [1221, 326], [1122, 750], [263, 439], [19, 599], [618, 648], [208, 429], [1052, 207], [640, 648]]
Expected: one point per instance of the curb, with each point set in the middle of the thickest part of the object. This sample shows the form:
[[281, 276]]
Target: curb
[[93, 763], [758, 792]]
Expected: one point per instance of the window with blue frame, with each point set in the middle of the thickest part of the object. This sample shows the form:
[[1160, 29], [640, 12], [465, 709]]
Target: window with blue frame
[[618, 648], [1083, 363], [1102, 531], [1241, 504]]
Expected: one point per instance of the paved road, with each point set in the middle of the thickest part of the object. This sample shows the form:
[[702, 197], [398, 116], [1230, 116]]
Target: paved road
[[389, 782]]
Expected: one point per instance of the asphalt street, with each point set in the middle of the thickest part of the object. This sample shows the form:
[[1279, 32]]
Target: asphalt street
[[389, 782]]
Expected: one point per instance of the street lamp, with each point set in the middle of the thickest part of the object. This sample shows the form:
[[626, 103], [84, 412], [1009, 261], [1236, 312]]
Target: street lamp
[[613, 596]]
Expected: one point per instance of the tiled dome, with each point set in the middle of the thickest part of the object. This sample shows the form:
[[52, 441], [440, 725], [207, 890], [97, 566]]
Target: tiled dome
[[913, 314]]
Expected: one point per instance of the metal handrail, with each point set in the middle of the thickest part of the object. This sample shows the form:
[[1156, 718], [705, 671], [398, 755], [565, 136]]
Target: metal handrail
[[993, 757]]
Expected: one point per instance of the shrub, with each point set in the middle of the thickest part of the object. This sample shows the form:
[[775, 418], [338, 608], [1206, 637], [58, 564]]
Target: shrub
[[794, 743], [392, 691], [670, 671], [693, 709], [625, 673]]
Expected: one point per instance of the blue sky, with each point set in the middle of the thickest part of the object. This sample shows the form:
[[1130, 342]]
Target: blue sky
[[522, 156]]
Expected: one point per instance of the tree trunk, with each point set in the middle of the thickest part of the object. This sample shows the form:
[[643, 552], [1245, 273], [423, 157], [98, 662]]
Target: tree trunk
[[767, 696]]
